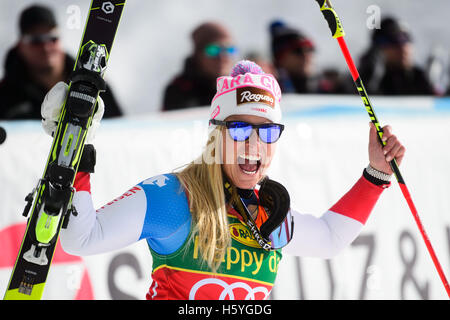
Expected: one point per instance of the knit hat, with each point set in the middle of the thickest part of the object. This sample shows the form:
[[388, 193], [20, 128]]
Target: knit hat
[[208, 32], [391, 32], [36, 15], [285, 38], [247, 91]]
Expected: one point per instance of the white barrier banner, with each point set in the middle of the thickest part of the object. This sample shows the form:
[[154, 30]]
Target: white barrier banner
[[321, 154]]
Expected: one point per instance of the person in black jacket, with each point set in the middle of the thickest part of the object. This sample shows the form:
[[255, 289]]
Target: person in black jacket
[[212, 57], [35, 64], [388, 68], [293, 55]]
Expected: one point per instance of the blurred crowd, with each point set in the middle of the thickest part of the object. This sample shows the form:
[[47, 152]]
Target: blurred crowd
[[37, 62]]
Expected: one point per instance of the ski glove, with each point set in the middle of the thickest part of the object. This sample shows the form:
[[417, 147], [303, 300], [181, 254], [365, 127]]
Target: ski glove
[[51, 109]]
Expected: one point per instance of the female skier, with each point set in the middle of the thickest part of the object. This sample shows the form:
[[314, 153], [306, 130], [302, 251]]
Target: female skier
[[217, 228]]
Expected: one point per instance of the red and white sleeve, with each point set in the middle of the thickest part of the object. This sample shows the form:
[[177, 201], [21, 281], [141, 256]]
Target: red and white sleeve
[[328, 235], [82, 182]]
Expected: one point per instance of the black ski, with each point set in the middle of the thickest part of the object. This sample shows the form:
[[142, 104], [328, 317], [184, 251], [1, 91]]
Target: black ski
[[52, 205]]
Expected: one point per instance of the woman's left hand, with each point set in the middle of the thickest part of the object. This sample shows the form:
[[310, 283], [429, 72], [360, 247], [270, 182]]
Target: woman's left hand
[[380, 156]]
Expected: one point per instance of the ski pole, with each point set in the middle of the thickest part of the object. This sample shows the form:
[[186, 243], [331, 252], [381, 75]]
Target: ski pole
[[338, 33]]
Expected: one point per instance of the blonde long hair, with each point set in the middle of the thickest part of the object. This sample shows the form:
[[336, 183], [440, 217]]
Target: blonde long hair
[[203, 180]]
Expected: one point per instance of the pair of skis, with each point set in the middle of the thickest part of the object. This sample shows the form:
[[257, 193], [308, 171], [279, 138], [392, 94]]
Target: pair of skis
[[51, 201]]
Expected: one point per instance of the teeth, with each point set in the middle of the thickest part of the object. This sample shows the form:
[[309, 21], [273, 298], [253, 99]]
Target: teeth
[[250, 157]]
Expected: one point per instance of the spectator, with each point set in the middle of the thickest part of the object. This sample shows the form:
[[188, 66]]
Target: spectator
[[212, 57], [396, 74], [293, 59], [332, 82], [292, 54], [35, 64], [371, 67]]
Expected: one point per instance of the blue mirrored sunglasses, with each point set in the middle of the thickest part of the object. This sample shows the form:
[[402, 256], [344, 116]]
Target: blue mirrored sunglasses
[[241, 131], [214, 50]]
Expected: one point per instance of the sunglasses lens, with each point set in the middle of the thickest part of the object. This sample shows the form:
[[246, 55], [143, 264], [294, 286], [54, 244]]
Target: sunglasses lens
[[269, 134], [281, 236], [231, 50], [239, 131], [212, 50]]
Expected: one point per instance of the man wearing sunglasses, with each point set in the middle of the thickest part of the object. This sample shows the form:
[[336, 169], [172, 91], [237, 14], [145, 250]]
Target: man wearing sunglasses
[[218, 227], [212, 56], [293, 55], [35, 65]]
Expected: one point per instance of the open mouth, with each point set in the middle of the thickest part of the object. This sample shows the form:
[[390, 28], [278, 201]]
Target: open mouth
[[249, 164]]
